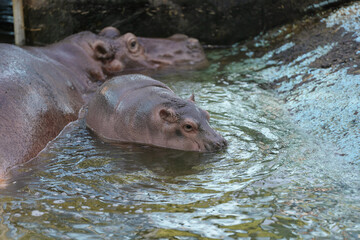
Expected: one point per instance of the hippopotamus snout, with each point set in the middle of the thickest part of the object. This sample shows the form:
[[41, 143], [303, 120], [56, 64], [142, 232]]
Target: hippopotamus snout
[[215, 142], [220, 143], [178, 50], [215, 146]]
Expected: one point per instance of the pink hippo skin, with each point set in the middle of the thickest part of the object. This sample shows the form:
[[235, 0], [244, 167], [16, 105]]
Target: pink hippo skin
[[43, 88], [138, 109]]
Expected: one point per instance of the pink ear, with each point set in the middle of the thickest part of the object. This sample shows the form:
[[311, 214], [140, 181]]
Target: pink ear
[[192, 98], [168, 115], [101, 49]]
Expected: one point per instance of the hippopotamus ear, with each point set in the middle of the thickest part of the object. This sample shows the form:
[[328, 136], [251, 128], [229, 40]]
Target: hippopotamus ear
[[101, 50], [192, 98], [168, 115], [110, 32]]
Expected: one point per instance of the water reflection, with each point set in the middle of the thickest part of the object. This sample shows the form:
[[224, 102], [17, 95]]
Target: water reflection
[[163, 162]]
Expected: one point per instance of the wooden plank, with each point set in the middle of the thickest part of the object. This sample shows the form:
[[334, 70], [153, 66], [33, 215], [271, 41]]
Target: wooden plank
[[19, 29]]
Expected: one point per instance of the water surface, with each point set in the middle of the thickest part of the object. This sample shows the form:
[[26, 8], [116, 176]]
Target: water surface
[[273, 181]]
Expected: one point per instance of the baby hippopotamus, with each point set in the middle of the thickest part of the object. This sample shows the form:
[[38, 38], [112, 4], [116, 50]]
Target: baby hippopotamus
[[138, 109]]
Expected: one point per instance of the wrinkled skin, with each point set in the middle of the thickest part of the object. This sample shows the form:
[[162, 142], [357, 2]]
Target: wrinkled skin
[[43, 88], [135, 108]]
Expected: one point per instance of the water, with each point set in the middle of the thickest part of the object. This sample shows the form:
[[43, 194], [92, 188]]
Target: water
[[273, 181]]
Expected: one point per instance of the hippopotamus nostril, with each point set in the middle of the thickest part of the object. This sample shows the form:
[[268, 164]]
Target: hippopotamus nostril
[[178, 37], [209, 147], [224, 142], [221, 143], [178, 52]]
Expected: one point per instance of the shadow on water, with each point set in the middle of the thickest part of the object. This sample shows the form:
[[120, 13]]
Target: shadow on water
[[164, 162]]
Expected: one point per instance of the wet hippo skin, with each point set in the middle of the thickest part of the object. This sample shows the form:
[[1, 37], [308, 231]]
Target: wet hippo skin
[[138, 109], [43, 88]]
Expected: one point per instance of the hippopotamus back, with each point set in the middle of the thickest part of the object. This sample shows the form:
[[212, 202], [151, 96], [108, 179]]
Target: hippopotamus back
[[32, 111], [139, 109]]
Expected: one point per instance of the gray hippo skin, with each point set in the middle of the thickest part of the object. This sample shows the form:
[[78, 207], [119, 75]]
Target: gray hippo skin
[[138, 109], [42, 89]]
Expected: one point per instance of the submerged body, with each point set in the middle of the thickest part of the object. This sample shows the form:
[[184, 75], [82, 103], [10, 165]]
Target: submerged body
[[136, 108], [43, 88]]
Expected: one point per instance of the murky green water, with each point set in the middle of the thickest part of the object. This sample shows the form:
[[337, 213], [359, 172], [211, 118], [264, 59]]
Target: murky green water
[[273, 181]]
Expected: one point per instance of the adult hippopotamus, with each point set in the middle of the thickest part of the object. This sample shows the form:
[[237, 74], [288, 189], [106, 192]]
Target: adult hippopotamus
[[138, 109], [43, 88]]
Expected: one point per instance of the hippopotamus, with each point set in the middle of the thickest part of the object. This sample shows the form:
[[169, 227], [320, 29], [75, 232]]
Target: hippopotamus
[[138, 109], [42, 89]]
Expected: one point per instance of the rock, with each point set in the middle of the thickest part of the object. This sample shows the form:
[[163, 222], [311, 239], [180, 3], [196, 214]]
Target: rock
[[211, 21], [315, 69]]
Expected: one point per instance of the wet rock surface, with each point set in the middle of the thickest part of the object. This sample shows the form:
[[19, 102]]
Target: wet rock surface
[[314, 66]]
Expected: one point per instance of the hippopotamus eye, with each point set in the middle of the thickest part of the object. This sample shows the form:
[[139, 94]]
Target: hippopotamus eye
[[188, 127], [133, 45]]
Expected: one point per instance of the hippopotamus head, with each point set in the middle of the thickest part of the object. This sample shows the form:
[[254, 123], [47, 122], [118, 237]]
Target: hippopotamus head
[[129, 54], [136, 108]]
